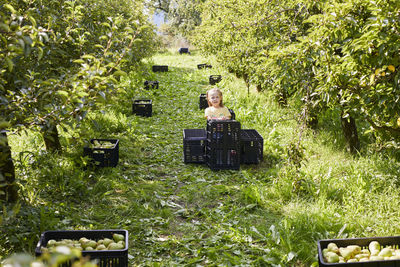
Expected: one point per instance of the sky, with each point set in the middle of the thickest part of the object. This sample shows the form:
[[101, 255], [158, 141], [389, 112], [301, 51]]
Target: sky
[[158, 19]]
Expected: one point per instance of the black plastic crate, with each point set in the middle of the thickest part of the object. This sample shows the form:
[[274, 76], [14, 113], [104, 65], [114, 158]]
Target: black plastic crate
[[223, 158], [194, 142], [223, 144], [142, 107], [251, 143], [183, 50], [214, 79], [362, 242], [223, 134], [160, 68], [203, 103], [204, 66], [233, 115], [103, 258], [151, 84], [103, 152]]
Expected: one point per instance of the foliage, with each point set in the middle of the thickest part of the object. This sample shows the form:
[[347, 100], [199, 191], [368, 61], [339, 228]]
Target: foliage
[[59, 60], [319, 55], [80, 53], [183, 16]]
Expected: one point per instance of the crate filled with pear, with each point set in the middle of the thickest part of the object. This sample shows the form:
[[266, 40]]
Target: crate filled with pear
[[117, 242], [106, 247], [362, 252]]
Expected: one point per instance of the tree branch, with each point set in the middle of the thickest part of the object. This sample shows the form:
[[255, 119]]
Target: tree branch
[[383, 128]]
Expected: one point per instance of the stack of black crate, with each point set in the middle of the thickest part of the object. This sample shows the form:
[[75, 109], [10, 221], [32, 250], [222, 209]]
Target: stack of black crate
[[223, 145]]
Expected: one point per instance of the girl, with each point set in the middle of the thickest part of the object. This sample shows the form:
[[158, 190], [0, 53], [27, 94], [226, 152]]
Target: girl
[[216, 109]]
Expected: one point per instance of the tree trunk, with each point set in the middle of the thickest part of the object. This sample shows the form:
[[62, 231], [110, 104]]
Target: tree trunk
[[8, 188], [349, 128], [51, 139]]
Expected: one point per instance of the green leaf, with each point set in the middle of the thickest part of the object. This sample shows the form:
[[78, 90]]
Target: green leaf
[[62, 93], [120, 73], [40, 53], [79, 61], [10, 7], [10, 64]]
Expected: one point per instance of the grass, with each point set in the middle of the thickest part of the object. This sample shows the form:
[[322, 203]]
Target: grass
[[270, 214]]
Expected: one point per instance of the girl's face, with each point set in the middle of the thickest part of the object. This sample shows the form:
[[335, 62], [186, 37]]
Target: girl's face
[[214, 98]]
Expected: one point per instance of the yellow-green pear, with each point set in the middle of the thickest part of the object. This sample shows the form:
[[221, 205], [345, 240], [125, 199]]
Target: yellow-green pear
[[332, 257], [51, 243], [333, 247], [361, 255], [355, 249], [324, 252], [376, 258], [365, 251], [346, 253], [363, 259], [101, 247], [352, 260], [83, 240], [122, 243], [107, 241], [374, 248], [386, 252], [118, 237], [113, 246]]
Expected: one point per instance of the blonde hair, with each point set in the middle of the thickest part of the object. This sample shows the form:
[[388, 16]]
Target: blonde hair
[[221, 103]]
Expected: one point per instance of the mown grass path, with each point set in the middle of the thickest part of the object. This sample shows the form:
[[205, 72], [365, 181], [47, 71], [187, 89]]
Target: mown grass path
[[180, 213]]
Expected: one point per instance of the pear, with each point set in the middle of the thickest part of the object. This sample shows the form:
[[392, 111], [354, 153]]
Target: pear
[[363, 259], [83, 240], [346, 253], [92, 243], [355, 249], [324, 252], [51, 243], [386, 252], [361, 255], [101, 247], [365, 251], [107, 241], [374, 248], [113, 246], [333, 247], [352, 260], [397, 252], [89, 248], [122, 243], [332, 257], [376, 258], [89, 243], [118, 237]]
